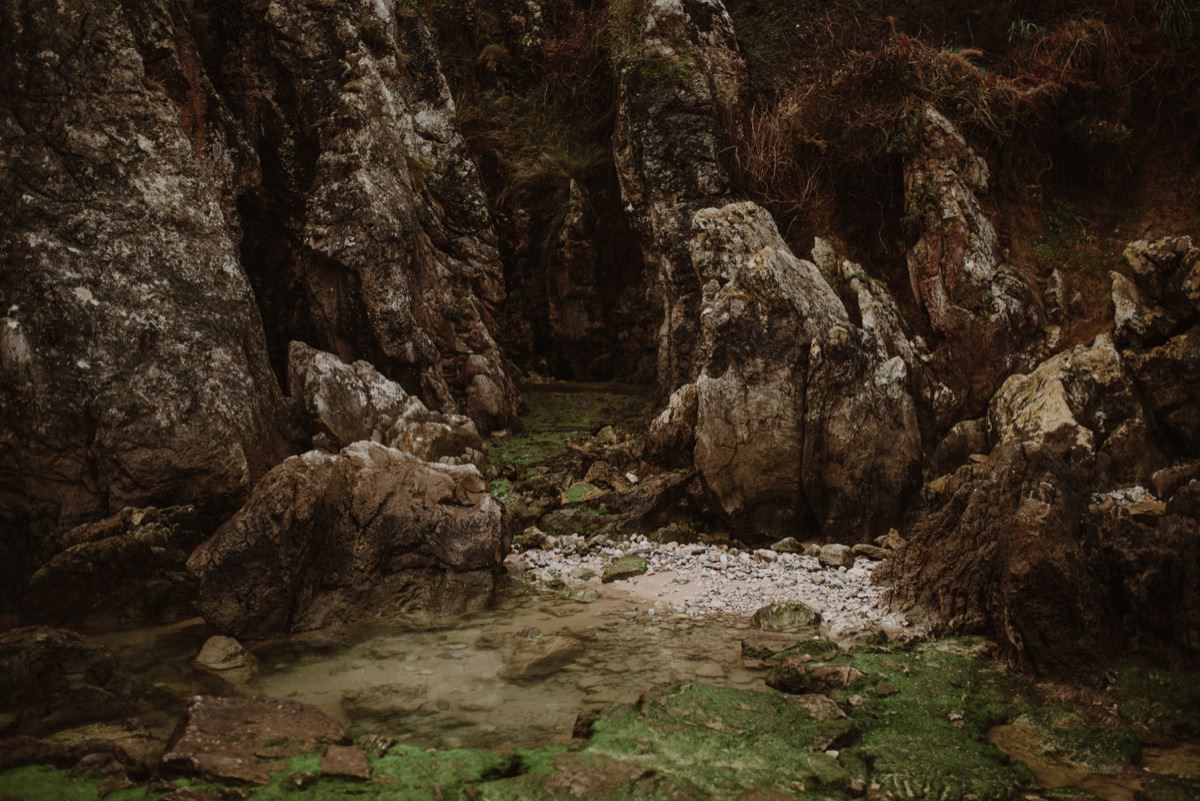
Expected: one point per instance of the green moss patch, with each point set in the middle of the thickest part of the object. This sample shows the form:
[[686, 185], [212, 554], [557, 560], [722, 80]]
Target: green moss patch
[[555, 418]]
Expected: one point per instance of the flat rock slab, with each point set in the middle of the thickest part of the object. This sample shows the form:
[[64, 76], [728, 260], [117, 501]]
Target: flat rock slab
[[346, 761], [626, 567], [526, 659], [245, 739]]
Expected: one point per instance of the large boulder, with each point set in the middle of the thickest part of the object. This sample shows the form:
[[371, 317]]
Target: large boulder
[[799, 414], [369, 233], [679, 75], [126, 570], [53, 678], [369, 531], [345, 403], [970, 297], [133, 366]]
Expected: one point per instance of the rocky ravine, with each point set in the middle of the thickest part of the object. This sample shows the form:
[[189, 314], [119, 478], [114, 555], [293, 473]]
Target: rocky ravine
[[248, 355]]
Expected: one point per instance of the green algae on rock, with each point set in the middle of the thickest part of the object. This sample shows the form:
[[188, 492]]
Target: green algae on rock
[[626, 567]]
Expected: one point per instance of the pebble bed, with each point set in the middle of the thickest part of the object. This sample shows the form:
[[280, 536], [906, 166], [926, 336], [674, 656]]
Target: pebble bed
[[702, 580]]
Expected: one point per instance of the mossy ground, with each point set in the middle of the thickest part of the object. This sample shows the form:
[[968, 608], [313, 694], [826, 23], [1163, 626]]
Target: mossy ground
[[917, 727], [554, 418]]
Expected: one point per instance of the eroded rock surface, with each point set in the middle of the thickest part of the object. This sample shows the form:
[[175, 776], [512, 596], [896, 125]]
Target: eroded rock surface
[[369, 232], [800, 415], [368, 531], [680, 75], [1053, 542], [53, 678], [984, 311], [126, 570], [348, 403], [133, 366]]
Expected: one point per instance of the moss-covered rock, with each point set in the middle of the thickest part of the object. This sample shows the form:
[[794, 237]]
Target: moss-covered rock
[[626, 567]]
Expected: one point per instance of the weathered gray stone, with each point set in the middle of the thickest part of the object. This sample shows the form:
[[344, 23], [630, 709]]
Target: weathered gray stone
[[334, 537]]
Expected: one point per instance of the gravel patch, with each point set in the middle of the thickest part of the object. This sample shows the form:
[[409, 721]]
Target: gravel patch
[[702, 580]]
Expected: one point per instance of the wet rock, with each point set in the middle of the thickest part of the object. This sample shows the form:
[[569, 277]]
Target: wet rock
[[335, 537], [527, 658], [226, 659], [345, 762], [126, 570], [385, 701], [834, 555], [785, 617], [764, 645], [53, 678], [626, 567], [346, 403], [244, 739], [871, 551], [134, 369]]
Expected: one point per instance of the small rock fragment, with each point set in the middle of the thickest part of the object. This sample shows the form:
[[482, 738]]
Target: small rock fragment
[[346, 761], [225, 658], [626, 567], [785, 617], [834, 555], [871, 552]]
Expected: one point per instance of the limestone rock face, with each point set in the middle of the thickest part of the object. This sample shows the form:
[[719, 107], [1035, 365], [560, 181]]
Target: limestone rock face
[[1161, 294], [244, 739], [126, 570], [346, 403], [133, 366], [368, 531], [681, 78], [798, 414], [371, 233], [970, 297]]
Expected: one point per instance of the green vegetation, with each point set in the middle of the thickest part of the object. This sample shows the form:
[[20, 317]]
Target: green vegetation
[[918, 725], [554, 419]]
